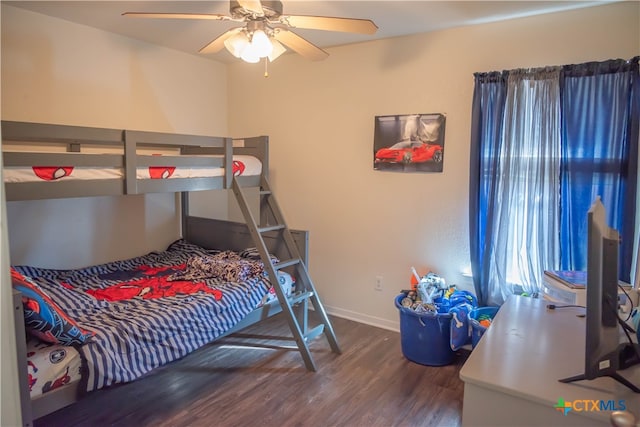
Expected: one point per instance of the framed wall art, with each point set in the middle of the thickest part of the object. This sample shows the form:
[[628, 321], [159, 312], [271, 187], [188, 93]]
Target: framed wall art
[[409, 143]]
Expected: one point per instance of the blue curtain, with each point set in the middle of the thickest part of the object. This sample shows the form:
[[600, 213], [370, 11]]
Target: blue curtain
[[600, 155], [600, 110], [486, 129], [517, 179]]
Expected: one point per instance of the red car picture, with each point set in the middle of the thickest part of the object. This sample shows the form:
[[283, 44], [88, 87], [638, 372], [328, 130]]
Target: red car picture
[[409, 143], [414, 153]]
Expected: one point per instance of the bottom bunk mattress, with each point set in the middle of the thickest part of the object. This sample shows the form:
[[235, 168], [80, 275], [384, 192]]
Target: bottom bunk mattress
[[139, 314], [51, 366]]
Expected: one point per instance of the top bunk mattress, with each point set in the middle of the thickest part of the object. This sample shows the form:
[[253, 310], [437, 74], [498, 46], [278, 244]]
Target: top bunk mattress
[[242, 165]]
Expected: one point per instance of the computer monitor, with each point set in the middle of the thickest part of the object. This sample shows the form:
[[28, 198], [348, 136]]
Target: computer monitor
[[604, 355]]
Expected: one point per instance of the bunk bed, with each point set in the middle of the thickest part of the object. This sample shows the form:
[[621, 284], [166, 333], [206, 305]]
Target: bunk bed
[[44, 161]]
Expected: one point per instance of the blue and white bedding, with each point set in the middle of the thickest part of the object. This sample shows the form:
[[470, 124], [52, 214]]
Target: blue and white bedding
[[142, 317]]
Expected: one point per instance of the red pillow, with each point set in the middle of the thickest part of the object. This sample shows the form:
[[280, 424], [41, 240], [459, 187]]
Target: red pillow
[[43, 318]]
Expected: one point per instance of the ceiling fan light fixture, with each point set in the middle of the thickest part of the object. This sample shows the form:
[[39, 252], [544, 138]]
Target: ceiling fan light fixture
[[261, 44], [251, 46], [249, 54], [237, 43]]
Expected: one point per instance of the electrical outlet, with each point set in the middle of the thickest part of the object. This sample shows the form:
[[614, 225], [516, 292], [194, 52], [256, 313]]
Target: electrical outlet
[[378, 283]]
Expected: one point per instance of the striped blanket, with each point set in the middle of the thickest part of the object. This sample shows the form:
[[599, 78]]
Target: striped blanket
[[141, 319]]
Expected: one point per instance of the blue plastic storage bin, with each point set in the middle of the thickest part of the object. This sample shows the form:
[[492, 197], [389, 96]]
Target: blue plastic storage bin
[[424, 337], [477, 330]]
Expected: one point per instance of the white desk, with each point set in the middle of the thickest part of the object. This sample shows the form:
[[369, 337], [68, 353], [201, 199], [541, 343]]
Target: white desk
[[511, 377]]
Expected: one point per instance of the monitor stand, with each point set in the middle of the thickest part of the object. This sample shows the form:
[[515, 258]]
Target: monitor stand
[[627, 357]]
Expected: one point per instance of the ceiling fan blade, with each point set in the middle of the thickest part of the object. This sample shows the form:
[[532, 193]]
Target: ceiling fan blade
[[218, 43], [163, 15], [328, 23], [252, 6], [300, 45]]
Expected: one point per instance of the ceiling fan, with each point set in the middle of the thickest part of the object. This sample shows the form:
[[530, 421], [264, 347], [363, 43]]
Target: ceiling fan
[[266, 32]]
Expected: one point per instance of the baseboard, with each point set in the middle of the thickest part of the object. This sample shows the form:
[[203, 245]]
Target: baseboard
[[363, 318]]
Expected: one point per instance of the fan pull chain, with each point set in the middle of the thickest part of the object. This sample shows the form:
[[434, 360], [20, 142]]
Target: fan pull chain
[[266, 67]]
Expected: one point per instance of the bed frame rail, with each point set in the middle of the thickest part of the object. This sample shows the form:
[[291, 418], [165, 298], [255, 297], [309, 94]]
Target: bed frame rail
[[21, 347], [43, 132]]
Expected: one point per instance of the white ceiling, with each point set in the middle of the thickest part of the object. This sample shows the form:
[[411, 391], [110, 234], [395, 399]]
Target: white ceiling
[[393, 18]]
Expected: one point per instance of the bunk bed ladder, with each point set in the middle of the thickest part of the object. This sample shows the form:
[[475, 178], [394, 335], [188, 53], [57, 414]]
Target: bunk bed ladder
[[272, 221]]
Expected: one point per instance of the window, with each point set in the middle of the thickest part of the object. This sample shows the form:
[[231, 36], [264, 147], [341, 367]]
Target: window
[[545, 143]]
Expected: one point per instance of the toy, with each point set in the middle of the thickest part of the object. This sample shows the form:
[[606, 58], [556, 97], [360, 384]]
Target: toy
[[484, 320], [428, 287]]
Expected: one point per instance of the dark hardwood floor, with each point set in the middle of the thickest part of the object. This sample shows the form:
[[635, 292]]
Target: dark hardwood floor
[[244, 380]]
